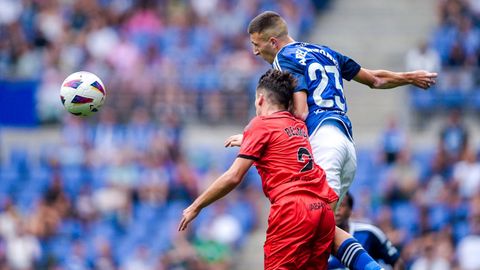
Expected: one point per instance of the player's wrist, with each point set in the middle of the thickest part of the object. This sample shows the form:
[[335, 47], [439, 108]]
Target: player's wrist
[[408, 77], [196, 206]]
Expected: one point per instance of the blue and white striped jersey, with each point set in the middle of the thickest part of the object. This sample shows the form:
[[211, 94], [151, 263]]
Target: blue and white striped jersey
[[320, 72], [374, 241]]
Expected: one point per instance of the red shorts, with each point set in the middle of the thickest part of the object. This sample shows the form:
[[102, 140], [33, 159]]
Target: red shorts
[[300, 233]]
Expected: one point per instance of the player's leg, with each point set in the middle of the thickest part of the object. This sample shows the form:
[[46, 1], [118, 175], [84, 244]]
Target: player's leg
[[287, 246], [349, 251], [335, 153], [329, 152], [349, 168], [323, 244]]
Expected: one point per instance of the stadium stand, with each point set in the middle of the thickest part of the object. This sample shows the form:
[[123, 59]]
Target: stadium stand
[[109, 194], [454, 50]]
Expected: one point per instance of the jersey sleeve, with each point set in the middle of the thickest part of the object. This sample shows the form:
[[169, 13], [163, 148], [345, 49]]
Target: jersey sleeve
[[255, 138], [291, 65], [386, 250], [348, 66]]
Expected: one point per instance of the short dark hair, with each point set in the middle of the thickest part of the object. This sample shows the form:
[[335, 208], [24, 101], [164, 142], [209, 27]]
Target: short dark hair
[[278, 87], [268, 21], [349, 198]]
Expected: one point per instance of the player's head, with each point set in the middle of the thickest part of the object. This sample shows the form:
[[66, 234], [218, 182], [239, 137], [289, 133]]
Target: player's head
[[274, 91], [267, 31], [344, 211]]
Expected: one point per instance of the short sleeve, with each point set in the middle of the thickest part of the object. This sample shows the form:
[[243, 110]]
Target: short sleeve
[[291, 65], [255, 138], [348, 66], [301, 84]]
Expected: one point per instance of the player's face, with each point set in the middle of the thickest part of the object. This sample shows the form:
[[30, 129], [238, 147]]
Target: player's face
[[263, 47], [343, 213]]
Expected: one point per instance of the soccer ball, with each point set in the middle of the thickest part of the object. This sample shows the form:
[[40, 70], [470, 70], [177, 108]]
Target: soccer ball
[[82, 93]]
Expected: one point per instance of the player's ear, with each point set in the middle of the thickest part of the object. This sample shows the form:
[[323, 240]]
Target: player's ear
[[260, 99], [273, 42]]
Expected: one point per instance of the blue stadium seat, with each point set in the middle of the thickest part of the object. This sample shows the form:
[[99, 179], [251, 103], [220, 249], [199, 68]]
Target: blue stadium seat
[[460, 230], [453, 98], [9, 176], [405, 216], [439, 216], [423, 158], [244, 213], [474, 100], [423, 101]]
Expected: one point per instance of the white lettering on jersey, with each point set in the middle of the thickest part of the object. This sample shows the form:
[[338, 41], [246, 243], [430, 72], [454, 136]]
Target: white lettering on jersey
[[301, 54]]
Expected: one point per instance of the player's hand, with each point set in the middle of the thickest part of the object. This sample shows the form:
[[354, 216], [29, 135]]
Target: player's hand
[[235, 140], [423, 79], [189, 214]]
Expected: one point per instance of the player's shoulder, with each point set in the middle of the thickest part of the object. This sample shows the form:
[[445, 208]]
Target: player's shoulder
[[292, 54], [254, 123], [297, 54], [295, 49], [259, 122], [363, 227]]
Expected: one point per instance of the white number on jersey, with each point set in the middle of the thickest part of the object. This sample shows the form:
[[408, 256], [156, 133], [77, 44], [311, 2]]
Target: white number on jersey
[[317, 93]]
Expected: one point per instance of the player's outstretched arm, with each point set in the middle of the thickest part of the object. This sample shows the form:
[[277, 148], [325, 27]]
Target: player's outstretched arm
[[234, 140], [385, 79], [219, 188]]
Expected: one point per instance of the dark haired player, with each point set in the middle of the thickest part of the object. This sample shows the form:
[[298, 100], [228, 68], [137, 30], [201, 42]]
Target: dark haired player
[[301, 223], [372, 239]]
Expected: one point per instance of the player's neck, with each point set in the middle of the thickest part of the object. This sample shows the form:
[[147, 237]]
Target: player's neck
[[285, 41], [271, 110]]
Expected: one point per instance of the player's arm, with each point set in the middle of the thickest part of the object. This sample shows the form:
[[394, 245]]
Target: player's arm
[[234, 140], [300, 105], [219, 188], [386, 250], [399, 265], [385, 79]]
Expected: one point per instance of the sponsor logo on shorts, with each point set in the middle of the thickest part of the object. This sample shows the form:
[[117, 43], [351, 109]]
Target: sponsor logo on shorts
[[316, 206]]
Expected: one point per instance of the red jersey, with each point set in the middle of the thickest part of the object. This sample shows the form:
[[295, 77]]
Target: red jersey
[[278, 143]]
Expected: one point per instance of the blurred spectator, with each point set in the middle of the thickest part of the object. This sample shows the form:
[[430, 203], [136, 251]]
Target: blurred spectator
[[56, 198], [466, 174], [123, 174], [77, 259], [23, 249], [44, 221], [105, 259], [467, 247], [160, 42], [182, 253], [141, 259], [454, 136], [456, 41], [393, 141], [224, 228], [10, 219], [423, 57], [429, 257], [402, 177]]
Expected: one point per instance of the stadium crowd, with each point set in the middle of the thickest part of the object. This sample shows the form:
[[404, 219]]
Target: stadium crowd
[[453, 49], [142, 49], [110, 195]]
